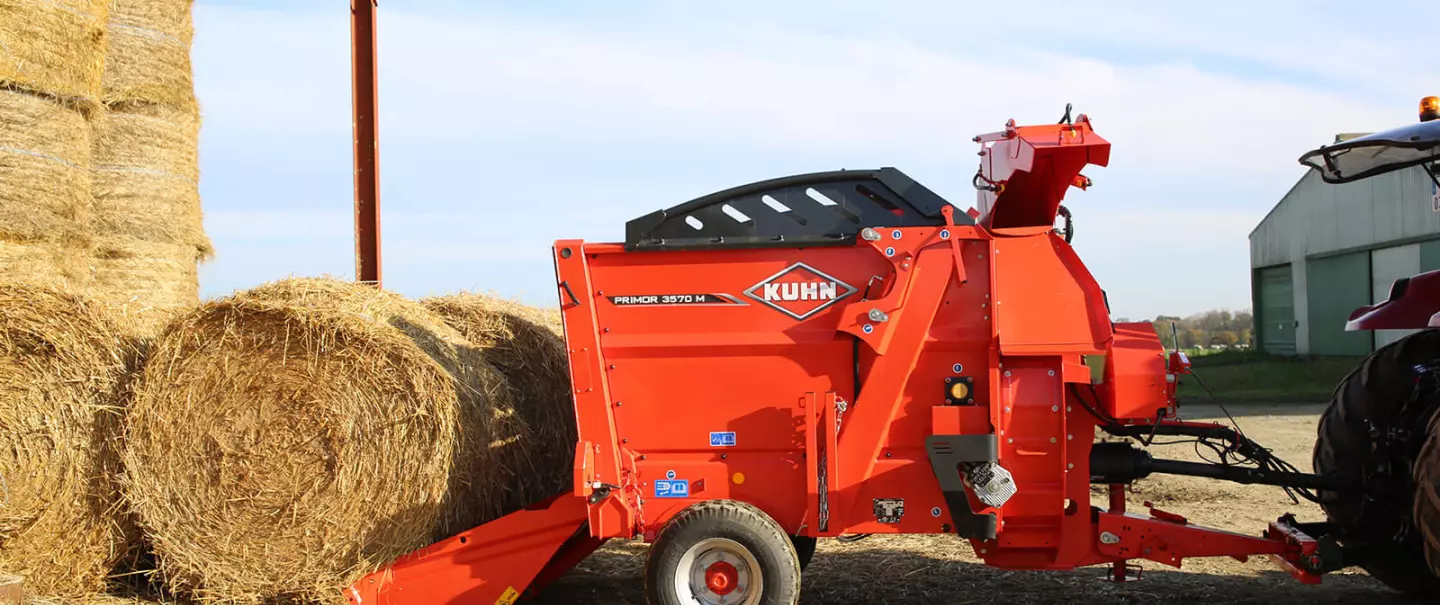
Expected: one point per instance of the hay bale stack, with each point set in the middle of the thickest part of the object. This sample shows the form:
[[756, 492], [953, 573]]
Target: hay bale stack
[[527, 345], [54, 48], [62, 369], [149, 233], [289, 438]]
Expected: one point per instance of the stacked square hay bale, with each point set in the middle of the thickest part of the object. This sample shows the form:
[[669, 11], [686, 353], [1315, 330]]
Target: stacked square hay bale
[[285, 440], [146, 216], [63, 368], [52, 55]]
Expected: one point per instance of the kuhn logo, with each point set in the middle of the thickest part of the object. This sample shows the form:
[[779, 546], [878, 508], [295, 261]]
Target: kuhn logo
[[800, 291]]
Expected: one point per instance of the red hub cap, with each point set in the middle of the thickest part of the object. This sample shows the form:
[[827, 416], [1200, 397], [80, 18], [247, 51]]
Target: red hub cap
[[721, 578]]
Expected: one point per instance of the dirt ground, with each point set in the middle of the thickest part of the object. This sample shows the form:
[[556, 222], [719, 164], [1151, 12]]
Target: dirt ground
[[942, 569]]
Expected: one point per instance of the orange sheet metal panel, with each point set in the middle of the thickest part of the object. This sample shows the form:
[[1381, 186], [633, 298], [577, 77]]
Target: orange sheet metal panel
[[1046, 302], [1135, 374]]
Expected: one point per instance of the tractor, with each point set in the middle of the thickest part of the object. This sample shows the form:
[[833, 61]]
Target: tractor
[[1379, 428], [847, 353]]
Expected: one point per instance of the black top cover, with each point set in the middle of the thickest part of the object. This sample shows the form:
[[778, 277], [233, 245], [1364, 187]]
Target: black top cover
[[819, 209]]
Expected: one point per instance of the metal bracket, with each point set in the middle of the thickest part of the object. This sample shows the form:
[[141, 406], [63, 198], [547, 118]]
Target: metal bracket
[[947, 453]]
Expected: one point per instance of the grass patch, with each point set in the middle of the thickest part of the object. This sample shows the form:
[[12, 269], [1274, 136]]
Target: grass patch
[[1253, 377]]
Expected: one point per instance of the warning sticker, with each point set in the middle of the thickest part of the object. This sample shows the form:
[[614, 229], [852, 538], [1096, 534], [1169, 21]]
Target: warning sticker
[[672, 488], [508, 597], [889, 510]]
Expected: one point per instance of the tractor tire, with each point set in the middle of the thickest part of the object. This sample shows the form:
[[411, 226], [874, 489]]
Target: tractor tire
[[722, 551], [1380, 388]]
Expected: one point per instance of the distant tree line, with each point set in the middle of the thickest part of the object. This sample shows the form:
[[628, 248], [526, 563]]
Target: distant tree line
[[1211, 329]]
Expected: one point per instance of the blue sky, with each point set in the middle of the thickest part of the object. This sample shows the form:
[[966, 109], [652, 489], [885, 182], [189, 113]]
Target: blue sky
[[507, 125]]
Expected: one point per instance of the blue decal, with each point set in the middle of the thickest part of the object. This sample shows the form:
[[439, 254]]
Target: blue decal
[[724, 439], [669, 474], [672, 489]]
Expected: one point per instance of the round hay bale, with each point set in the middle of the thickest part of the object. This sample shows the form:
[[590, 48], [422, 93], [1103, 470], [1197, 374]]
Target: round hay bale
[[287, 439], [63, 366], [146, 283], [54, 47], [146, 175], [148, 56], [527, 345]]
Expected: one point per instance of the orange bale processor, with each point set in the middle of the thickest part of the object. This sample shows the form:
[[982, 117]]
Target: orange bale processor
[[848, 353]]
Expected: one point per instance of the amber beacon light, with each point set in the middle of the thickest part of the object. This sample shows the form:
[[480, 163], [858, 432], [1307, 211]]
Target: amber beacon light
[[1429, 108]]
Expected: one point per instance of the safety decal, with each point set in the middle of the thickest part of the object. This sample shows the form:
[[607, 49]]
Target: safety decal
[[672, 488], [889, 510], [800, 291], [665, 300], [508, 597], [722, 439]]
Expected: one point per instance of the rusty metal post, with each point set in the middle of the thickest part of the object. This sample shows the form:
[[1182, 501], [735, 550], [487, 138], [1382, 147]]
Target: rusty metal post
[[367, 141]]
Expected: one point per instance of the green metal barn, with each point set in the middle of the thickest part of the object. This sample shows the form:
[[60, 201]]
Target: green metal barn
[[1324, 250]]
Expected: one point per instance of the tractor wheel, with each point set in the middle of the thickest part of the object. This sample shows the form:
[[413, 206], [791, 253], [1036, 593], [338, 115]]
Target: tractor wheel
[[722, 552], [804, 549], [1379, 391]]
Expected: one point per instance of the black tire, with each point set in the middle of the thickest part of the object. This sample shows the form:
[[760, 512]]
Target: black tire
[[1379, 390], [744, 527], [804, 549]]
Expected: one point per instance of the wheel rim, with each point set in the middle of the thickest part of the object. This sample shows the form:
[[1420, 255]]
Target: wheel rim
[[719, 571]]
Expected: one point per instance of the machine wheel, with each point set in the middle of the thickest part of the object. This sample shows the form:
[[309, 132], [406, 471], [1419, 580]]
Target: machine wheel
[[804, 549], [1379, 391], [722, 552]]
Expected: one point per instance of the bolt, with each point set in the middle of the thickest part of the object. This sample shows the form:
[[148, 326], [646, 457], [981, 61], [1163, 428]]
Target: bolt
[[1069, 409], [949, 380], [1011, 440], [1054, 408], [1071, 465], [617, 404], [1007, 373], [887, 454], [724, 456], [612, 366], [1109, 538], [1007, 409], [1069, 437], [642, 456], [625, 440], [1053, 440], [1051, 373]]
